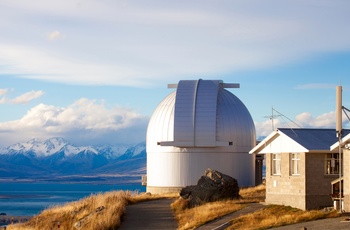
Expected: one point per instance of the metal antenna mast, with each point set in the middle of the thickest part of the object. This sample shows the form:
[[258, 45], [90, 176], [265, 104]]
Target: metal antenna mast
[[339, 132], [272, 117]]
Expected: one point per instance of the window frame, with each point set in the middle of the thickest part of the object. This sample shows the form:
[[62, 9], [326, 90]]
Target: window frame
[[276, 164], [329, 170], [294, 164]]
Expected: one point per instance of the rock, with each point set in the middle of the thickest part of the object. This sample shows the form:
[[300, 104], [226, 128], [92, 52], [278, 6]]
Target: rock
[[82, 222], [212, 186]]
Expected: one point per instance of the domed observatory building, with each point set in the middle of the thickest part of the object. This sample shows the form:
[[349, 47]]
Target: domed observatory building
[[201, 125]]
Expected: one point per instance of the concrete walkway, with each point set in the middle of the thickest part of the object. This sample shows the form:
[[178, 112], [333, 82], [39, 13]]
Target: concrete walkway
[[157, 214], [223, 222], [154, 214], [329, 223]]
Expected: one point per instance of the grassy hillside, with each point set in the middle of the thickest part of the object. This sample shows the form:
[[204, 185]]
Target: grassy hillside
[[104, 211], [197, 216], [96, 212], [278, 215], [270, 216]]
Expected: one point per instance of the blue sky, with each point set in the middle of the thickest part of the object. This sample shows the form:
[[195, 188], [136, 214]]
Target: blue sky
[[94, 71]]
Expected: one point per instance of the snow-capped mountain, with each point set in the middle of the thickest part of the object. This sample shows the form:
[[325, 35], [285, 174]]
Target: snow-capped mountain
[[37, 147], [56, 156], [54, 145]]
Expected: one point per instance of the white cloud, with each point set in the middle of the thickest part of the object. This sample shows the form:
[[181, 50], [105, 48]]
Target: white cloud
[[326, 120], [3, 92], [83, 122], [264, 128], [303, 120], [128, 43], [3, 100], [22, 99], [27, 97], [55, 35], [48, 67]]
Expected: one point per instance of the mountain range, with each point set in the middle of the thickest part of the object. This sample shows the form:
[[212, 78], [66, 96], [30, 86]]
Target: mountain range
[[56, 159]]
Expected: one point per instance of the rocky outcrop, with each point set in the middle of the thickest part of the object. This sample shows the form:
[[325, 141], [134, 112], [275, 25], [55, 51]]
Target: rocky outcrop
[[82, 222], [212, 186]]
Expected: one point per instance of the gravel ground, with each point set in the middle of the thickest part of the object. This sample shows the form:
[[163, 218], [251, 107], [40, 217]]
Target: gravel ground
[[154, 214]]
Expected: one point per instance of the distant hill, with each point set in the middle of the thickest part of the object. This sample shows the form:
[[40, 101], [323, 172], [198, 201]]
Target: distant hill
[[56, 159]]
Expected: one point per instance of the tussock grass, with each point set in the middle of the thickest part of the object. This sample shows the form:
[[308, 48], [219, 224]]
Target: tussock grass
[[197, 216], [114, 204], [111, 206], [148, 196], [253, 194], [270, 216], [190, 218], [278, 215]]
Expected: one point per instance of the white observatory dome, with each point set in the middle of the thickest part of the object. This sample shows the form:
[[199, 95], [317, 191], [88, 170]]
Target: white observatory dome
[[201, 125]]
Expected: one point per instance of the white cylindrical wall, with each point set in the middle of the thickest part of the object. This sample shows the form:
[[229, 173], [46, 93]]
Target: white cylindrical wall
[[179, 169]]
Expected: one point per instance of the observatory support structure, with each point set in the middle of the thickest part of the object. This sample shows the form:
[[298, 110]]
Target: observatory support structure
[[199, 126]]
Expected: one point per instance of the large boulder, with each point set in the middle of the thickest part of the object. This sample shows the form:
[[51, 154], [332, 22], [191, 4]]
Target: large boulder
[[212, 186]]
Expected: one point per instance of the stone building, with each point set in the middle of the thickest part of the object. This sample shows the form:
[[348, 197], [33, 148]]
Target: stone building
[[300, 166], [345, 149]]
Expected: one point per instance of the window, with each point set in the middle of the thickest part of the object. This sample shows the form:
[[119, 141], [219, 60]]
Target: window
[[332, 163], [295, 163], [276, 164]]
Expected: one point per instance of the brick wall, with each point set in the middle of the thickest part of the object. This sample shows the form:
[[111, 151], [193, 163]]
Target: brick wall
[[285, 189], [318, 185], [346, 181], [309, 190]]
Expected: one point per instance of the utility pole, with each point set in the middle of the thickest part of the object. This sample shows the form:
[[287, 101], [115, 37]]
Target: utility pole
[[339, 131]]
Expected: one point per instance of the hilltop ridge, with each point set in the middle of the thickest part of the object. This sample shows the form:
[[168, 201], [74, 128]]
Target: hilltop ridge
[[60, 160]]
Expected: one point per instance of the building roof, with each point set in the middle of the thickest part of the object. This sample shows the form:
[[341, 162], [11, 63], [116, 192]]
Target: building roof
[[201, 113], [313, 139], [299, 139], [344, 142]]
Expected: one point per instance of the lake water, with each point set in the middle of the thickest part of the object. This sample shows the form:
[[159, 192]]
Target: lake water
[[28, 199]]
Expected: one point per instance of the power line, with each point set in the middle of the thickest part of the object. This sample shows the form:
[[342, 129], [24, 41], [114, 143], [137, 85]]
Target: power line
[[346, 109]]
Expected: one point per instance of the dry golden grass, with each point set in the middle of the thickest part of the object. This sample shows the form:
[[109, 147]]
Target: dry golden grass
[[271, 216], [148, 196], [278, 215], [253, 194], [113, 203], [197, 216]]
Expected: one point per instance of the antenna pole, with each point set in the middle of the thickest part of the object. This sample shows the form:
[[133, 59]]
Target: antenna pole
[[340, 175], [338, 112], [272, 118]]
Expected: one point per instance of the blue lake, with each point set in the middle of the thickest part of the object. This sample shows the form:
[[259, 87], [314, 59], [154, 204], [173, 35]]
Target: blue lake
[[28, 199]]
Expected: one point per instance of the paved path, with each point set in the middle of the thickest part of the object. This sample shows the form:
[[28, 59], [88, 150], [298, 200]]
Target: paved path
[[329, 223], [157, 214], [154, 214], [223, 222]]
